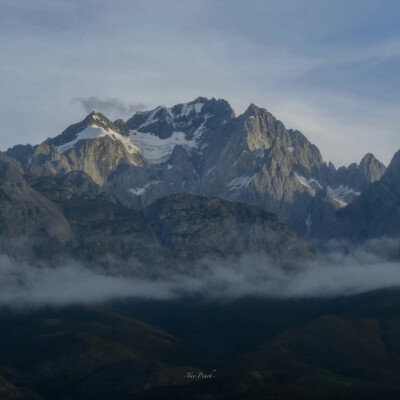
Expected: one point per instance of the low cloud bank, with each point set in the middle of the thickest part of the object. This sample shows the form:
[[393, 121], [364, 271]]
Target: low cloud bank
[[340, 271]]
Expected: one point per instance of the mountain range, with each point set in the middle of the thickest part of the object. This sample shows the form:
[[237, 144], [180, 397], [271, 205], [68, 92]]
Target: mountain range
[[202, 148]]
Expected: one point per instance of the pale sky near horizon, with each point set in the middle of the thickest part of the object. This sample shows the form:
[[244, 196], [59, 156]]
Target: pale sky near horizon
[[329, 69]]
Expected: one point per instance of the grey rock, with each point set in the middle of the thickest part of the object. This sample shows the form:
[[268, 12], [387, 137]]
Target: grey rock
[[25, 212], [192, 227], [21, 152], [72, 217], [375, 213], [359, 176]]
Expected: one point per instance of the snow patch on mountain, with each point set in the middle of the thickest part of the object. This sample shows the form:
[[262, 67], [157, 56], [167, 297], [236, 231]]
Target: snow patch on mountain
[[153, 149], [197, 133], [189, 107], [141, 190], [340, 193], [169, 111], [240, 182], [149, 121], [153, 117], [311, 183], [210, 170], [93, 132], [156, 150]]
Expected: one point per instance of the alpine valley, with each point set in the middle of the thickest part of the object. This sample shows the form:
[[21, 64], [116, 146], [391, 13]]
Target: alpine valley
[[170, 195]]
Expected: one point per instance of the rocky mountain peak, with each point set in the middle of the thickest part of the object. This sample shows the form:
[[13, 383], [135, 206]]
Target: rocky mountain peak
[[10, 170], [331, 167], [252, 109], [94, 114], [370, 168], [370, 161], [261, 113], [262, 128], [21, 152], [395, 163], [94, 120], [375, 211], [368, 158], [391, 177], [360, 176], [218, 107]]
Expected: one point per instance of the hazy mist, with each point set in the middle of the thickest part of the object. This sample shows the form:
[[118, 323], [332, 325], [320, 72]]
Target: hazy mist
[[342, 270]]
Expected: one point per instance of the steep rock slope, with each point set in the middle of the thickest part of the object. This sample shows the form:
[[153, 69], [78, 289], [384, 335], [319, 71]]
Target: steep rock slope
[[73, 218], [377, 211], [193, 226], [175, 232], [24, 211]]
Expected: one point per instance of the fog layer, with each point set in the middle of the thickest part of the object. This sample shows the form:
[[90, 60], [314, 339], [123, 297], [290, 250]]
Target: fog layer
[[341, 271]]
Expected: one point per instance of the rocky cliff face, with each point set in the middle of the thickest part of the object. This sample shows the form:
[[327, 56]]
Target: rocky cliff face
[[375, 213], [360, 176], [72, 218], [191, 226], [25, 213], [202, 148], [329, 204], [92, 146]]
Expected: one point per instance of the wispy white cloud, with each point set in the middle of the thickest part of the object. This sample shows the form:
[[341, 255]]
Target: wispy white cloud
[[340, 271], [110, 106]]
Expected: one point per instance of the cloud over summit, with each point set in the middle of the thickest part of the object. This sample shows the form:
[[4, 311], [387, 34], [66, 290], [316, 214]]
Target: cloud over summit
[[111, 107]]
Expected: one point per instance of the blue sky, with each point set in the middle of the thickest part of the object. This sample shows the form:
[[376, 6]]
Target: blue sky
[[329, 69]]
